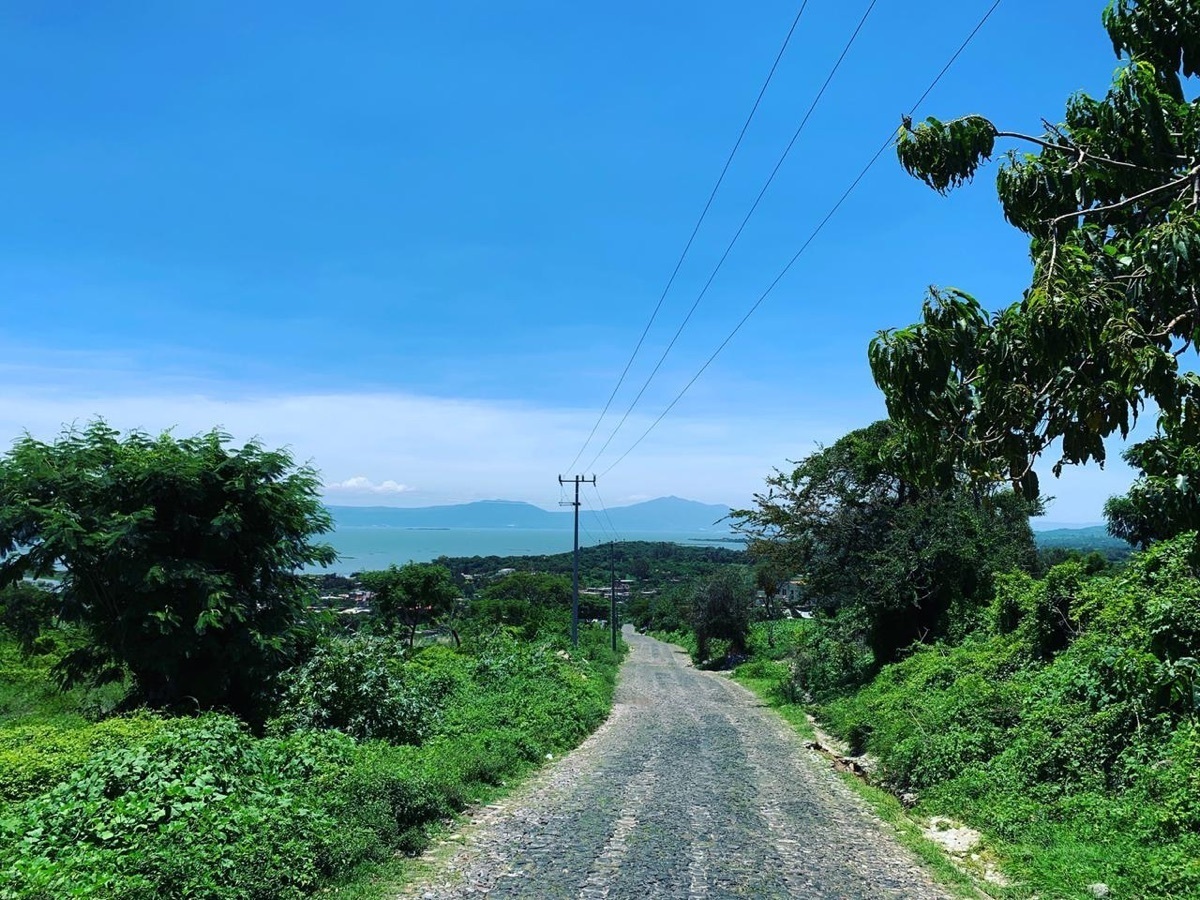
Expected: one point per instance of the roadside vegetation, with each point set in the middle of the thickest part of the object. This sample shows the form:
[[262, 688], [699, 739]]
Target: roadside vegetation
[[195, 725], [1057, 715], [647, 565]]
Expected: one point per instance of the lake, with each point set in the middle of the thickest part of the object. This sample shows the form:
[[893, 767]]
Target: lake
[[377, 547]]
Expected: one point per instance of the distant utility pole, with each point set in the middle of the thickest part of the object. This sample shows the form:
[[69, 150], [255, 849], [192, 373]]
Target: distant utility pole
[[578, 480], [612, 592]]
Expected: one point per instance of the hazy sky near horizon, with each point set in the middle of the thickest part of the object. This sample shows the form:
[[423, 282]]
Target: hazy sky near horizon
[[416, 243]]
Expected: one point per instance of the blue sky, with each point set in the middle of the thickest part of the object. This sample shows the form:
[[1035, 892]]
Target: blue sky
[[417, 242]]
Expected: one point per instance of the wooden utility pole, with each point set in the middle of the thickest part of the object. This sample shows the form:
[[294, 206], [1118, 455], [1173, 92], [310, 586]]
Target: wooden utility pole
[[578, 480]]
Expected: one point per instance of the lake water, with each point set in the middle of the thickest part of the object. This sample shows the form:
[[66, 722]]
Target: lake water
[[375, 547]]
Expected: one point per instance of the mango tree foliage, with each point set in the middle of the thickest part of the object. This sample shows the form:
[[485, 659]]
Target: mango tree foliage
[[1161, 502], [178, 557], [1110, 200]]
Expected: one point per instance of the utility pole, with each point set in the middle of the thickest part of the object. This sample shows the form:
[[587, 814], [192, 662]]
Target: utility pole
[[612, 592], [578, 480]]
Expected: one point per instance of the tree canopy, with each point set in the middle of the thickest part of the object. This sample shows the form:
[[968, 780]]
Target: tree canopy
[[533, 601], [410, 595], [178, 556], [901, 561], [720, 609], [1109, 199]]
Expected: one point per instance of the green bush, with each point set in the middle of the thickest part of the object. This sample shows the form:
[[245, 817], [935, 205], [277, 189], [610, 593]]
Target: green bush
[[360, 686], [1066, 728], [827, 659], [34, 758], [147, 807], [198, 809]]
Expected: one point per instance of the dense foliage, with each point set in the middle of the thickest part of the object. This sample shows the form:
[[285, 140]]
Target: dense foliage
[[1161, 501], [1069, 720], [147, 806], [409, 596], [720, 609], [1110, 204], [652, 565], [179, 557], [899, 561], [533, 602], [360, 686]]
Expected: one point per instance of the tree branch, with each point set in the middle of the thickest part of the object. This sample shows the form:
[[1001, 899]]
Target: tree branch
[[1075, 150], [1074, 214]]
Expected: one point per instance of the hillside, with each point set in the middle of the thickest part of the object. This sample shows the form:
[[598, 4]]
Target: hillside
[[1087, 539], [666, 514]]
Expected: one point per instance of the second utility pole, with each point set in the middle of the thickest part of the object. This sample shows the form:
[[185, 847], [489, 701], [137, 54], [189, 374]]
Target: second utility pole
[[578, 479]]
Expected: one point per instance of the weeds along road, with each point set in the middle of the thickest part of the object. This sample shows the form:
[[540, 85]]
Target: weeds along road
[[690, 790]]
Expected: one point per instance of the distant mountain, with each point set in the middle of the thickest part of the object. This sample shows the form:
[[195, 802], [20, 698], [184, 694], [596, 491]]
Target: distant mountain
[[1092, 537], [666, 514]]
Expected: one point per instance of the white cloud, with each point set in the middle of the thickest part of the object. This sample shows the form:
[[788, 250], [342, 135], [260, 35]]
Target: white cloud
[[363, 485], [461, 449], [442, 450]]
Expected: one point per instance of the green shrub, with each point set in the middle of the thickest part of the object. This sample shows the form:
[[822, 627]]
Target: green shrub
[[147, 807], [198, 809], [34, 758], [360, 686], [826, 661]]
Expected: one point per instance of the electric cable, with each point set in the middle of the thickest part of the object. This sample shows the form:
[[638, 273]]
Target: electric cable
[[692, 237], [742, 227], [606, 515], [812, 236]]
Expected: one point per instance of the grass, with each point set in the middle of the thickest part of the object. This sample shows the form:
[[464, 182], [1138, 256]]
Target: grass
[[28, 695], [148, 806]]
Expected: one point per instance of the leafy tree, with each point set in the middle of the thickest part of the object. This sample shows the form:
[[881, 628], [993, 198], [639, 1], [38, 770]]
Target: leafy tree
[[410, 595], [25, 610], [1163, 501], [180, 557], [721, 609], [1109, 200], [666, 610], [768, 578], [906, 563], [529, 600]]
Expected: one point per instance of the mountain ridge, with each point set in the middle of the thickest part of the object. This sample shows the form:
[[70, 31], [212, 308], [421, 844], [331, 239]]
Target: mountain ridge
[[661, 514]]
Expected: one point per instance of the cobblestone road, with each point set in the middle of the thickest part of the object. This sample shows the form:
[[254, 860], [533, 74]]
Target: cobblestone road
[[690, 790]]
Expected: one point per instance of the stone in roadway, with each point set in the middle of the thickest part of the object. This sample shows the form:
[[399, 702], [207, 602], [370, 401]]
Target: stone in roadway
[[690, 790]]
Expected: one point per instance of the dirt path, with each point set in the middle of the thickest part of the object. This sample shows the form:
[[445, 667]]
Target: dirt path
[[690, 790]]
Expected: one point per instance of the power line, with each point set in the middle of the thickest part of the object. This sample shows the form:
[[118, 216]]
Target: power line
[[742, 227], [606, 515], [695, 230], [816, 231], [599, 521]]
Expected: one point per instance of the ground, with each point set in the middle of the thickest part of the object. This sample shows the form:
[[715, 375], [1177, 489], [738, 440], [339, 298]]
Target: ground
[[691, 790]]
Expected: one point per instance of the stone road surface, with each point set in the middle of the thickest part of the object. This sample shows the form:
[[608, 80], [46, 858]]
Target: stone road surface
[[691, 789]]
